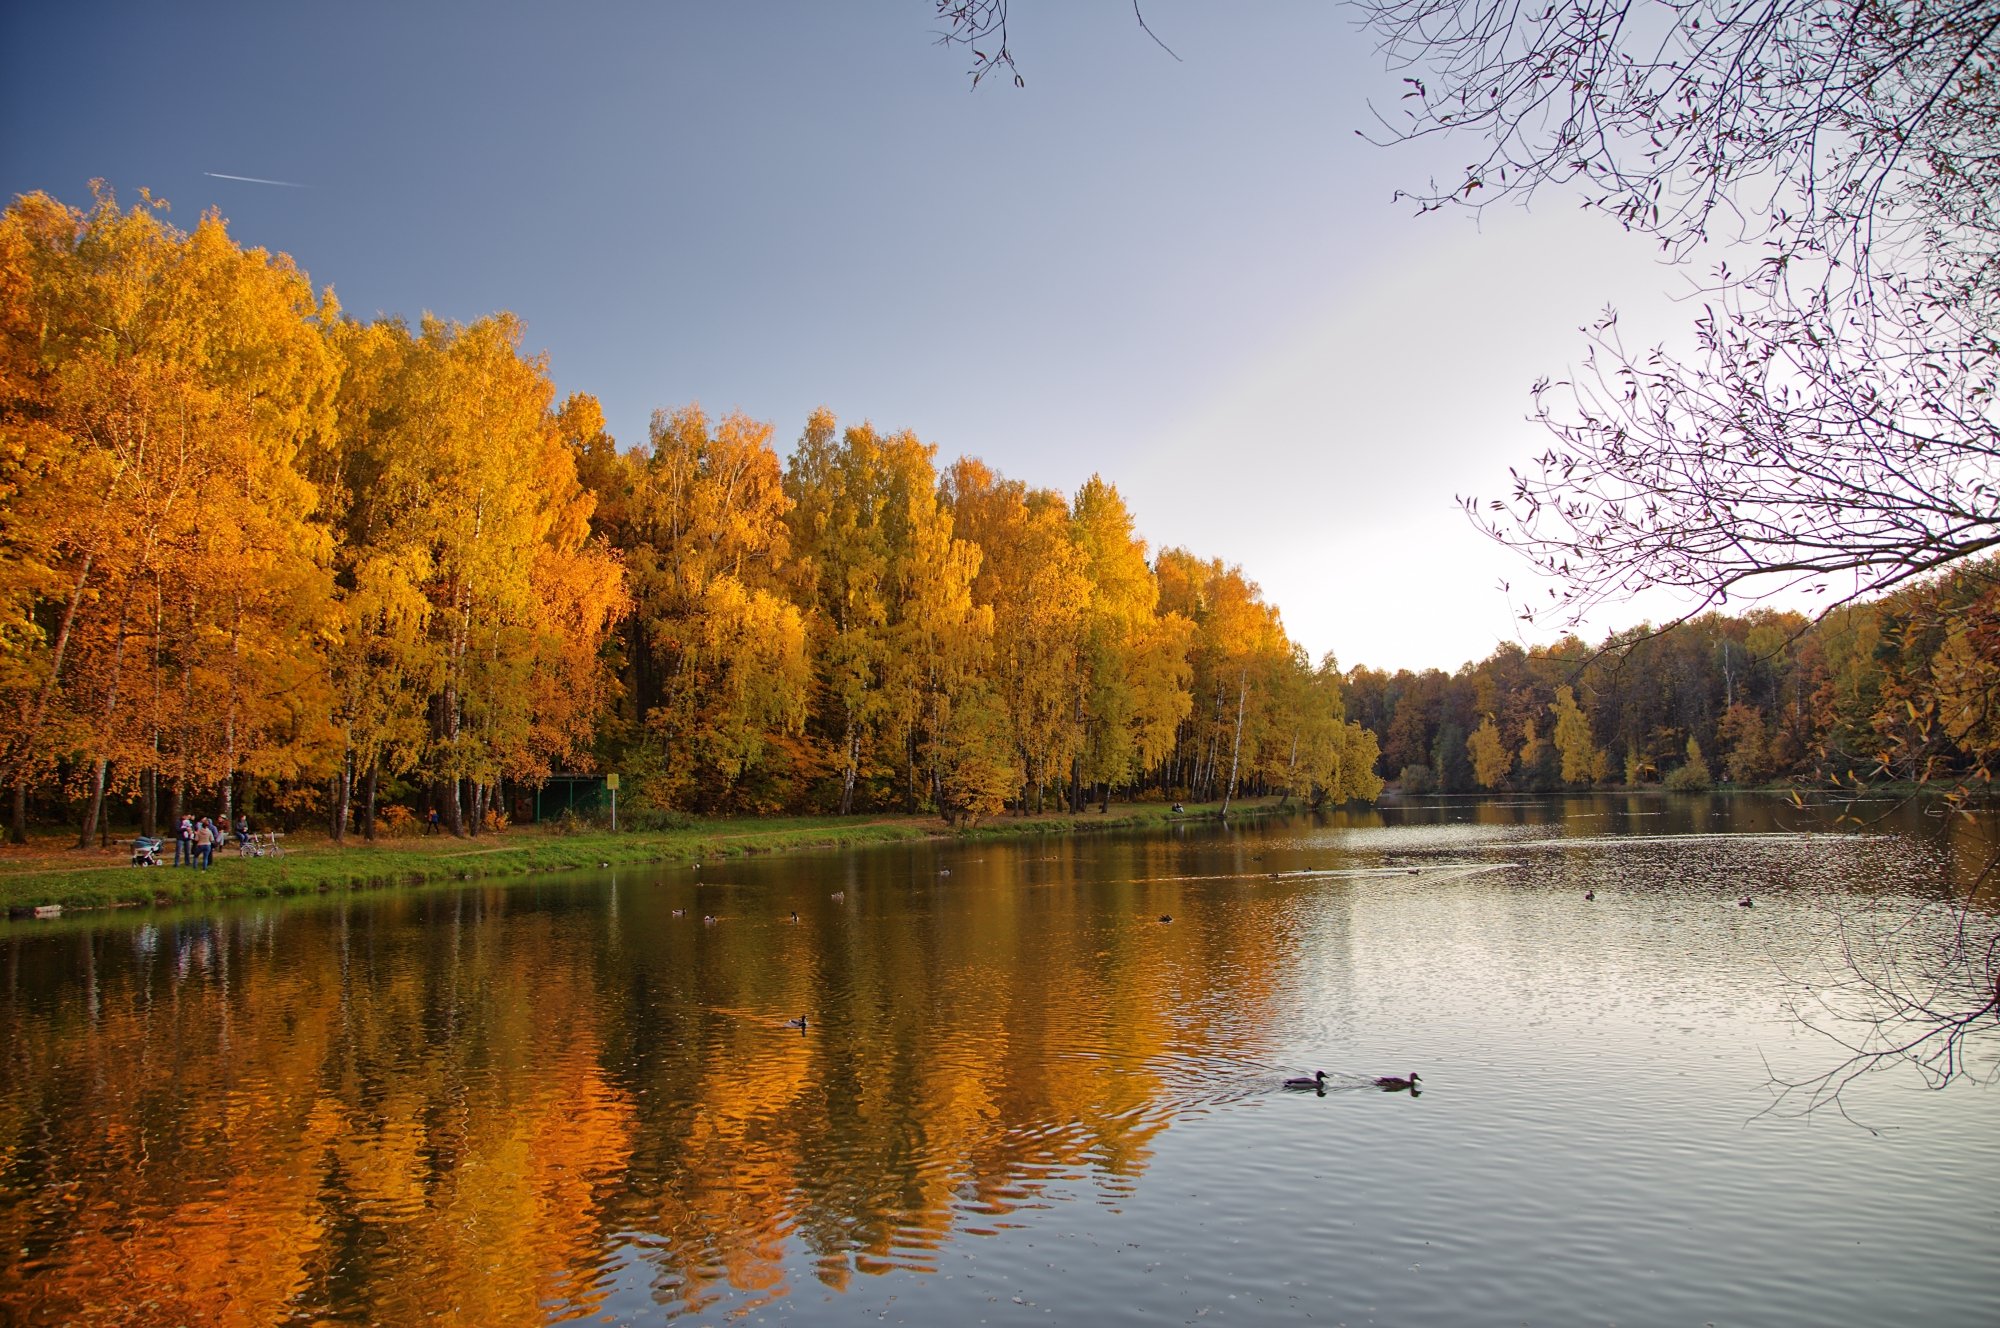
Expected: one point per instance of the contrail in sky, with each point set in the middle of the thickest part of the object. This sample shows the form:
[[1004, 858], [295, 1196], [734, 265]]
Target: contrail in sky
[[251, 179]]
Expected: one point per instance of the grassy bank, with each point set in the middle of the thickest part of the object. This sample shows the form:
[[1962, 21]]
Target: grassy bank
[[45, 873]]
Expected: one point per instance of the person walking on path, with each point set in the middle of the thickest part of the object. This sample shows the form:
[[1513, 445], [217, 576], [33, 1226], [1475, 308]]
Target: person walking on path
[[431, 826], [204, 842], [184, 843]]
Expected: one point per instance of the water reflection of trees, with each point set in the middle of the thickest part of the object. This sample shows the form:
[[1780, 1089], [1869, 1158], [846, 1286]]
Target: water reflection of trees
[[491, 1108], [1915, 988], [225, 1126]]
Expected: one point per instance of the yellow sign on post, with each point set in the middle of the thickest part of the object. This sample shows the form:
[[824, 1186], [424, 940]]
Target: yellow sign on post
[[611, 782]]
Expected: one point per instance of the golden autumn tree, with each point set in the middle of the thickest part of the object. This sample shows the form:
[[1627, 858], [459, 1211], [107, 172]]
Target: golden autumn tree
[[717, 649], [1239, 655], [48, 533], [1305, 718], [461, 491], [882, 574], [163, 534], [945, 718], [1533, 747], [1132, 684], [383, 662], [843, 552], [1582, 762], [1743, 729], [1491, 760], [1036, 579]]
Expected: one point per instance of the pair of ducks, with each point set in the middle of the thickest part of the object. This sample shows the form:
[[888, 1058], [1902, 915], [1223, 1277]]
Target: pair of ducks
[[1388, 1083], [683, 913], [1745, 902]]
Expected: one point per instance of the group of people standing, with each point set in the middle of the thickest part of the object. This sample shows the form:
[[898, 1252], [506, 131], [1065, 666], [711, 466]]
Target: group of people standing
[[195, 844]]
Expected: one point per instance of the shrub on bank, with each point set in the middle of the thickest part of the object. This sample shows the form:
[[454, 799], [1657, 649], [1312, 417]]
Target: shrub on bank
[[1693, 777]]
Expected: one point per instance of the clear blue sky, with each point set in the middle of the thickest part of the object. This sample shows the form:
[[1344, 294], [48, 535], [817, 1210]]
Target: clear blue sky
[[1187, 275]]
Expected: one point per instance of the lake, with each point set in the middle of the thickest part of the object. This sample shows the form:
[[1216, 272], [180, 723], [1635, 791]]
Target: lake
[[1021, 1096]]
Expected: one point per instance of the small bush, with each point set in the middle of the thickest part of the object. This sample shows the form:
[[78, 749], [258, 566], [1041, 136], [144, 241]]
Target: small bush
[[571, 822], [396, 822], [1687, 779], [1692, 777], [1417, 779]]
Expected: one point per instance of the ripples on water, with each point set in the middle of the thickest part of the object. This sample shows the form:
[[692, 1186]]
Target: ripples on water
[[1018, 1095]]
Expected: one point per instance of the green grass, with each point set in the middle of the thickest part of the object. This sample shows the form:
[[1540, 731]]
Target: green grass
[[317, 865]]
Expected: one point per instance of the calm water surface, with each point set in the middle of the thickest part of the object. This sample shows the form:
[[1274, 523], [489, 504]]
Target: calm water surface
[[1019, 1096]]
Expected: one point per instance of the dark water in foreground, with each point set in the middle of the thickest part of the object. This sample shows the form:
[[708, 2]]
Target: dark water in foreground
[[1019, 1097]]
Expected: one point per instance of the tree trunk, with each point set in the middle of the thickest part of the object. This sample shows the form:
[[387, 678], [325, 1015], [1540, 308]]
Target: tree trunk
[[17, 824], [447, 727], [1236, 748], [368, 806], [346, 793], [229, 721], [96, 805], [229, 773], [90, 825], [853, 769]]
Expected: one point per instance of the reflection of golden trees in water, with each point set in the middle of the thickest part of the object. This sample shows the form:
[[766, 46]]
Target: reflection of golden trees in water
[[435, 1109], [239, 1133]]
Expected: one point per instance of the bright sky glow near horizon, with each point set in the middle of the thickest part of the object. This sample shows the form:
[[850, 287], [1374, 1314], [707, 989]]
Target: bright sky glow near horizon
[[1189, 276]]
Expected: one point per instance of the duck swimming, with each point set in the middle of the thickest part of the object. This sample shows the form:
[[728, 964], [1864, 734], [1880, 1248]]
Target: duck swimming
[[798, 1023], [1389, 1083], [1166, 917], [1744, 902], [1590, 894], [1316, 1083]]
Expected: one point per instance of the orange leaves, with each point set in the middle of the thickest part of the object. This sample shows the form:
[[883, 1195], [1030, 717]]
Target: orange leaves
[[166, 385]]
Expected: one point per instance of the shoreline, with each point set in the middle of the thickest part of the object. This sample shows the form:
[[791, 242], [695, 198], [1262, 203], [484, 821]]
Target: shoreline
[[319, 866]]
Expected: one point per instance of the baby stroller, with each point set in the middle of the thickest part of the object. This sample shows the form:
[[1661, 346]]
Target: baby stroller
[[146, 851]]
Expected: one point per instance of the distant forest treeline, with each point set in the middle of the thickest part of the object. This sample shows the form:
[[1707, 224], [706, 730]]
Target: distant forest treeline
[[1906, 687], [255, 551]]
